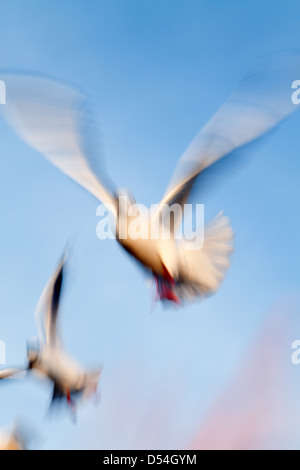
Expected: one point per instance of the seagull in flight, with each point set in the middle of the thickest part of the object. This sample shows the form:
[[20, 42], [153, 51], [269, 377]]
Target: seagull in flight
[[55, 120], [47, 359], [11, 441], [18, 437]]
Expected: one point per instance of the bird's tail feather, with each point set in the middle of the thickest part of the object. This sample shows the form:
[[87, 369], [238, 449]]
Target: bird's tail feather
[[204, 269]]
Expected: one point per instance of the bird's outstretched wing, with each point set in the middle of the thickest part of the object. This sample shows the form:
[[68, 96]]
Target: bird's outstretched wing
[[12, 372], [48, 307], [260, 102], [55, 119]]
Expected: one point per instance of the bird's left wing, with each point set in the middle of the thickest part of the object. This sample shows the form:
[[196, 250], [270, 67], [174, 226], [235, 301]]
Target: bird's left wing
[[56, 120], [48, 307]]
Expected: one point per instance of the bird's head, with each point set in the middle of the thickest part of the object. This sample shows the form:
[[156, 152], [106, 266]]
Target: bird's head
[[33, 351], [125, 200]]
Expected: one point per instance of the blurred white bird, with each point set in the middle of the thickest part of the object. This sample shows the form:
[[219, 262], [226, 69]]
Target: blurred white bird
[[53, 119], [10, 442], [16, 439], [46, 356]]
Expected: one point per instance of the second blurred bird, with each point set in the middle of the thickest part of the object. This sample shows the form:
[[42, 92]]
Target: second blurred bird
[[46, 356]]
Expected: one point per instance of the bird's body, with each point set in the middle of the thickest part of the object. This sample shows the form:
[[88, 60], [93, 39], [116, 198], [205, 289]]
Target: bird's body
[[161, 258], [65, 373], [142, 246], [179, 271]]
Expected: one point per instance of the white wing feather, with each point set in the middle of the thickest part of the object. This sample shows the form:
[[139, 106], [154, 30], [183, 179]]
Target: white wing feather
[[47, 309], [260, 102], [8, 373], [52, 118]]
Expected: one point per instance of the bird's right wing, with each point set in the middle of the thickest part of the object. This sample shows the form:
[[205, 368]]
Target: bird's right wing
[[55, 120], [48, 307], [261, 101]]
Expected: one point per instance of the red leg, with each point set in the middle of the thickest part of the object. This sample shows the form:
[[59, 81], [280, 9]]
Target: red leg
[[166, 288]]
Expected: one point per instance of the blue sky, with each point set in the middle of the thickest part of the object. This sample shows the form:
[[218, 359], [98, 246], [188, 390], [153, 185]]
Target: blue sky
[[156, 71]]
